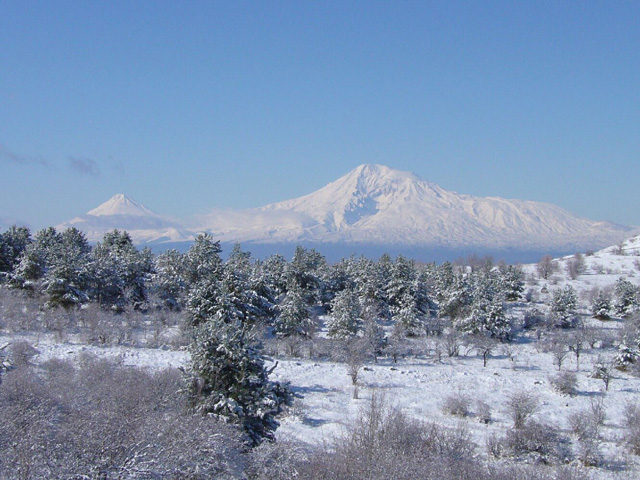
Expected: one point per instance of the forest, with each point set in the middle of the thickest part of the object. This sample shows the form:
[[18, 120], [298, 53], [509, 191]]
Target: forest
[[233, 323]]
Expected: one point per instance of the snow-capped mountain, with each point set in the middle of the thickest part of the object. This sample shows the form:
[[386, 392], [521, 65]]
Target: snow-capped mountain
[[374, 204], [124, 213]]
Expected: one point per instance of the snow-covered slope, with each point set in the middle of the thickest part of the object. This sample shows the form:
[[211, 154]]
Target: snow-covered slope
[[124, 213], [374, 204]]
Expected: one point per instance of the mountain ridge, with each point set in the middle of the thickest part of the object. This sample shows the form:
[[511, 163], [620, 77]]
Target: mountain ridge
[[371, 205]]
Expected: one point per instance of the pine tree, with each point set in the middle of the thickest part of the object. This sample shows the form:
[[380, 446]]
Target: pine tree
[[407, 314], [563, 305], [626, 298], [293, 315], [67, 278], [345, 315], [601, 306], [13, 243], [230, 380], [513, 283], [169, 280]]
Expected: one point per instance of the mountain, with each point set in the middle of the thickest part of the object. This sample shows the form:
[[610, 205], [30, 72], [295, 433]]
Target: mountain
[[377, 205], [124, 213]]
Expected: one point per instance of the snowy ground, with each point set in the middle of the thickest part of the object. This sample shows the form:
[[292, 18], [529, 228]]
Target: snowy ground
[[420, 385]]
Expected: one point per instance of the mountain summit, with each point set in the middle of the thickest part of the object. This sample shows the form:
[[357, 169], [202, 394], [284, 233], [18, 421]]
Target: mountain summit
[[120, 204], [378, 205], [123, 213]]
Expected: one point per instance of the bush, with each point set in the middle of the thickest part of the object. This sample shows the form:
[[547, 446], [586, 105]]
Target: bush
[[101, 420], [539, 441], [521, 406], [384, 443], [564, 382], [457, 404], [632, 423]]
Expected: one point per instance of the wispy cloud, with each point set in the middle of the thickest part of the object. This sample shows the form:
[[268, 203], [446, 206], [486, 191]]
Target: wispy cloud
[[9, 156], [84, 166]]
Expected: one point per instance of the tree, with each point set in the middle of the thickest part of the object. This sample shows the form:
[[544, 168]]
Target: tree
[[229, 378], [119, 272], [293, 316], [345, 315], [601, 306], [576, 266], [13, 243], [169, 280], [546, 267], [66, 280], [563, 306], [626, 298], [513, 282]]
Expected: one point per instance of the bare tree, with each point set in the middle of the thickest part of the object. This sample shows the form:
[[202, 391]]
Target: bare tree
[[546, 267]]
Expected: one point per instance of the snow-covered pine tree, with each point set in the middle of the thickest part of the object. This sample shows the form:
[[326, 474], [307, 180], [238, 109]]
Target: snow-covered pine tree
[[66, 280], [293, 316], [169, 280], [563, 306], [626, 295], [229, 378], [512, 283], [407, 313], [345, 315], [13, 243], [601, 306]]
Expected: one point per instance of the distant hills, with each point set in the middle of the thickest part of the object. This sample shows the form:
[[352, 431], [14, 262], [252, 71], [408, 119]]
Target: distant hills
[[371, 206]]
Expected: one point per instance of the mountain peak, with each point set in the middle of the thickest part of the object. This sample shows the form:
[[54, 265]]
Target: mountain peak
[[120, 204]]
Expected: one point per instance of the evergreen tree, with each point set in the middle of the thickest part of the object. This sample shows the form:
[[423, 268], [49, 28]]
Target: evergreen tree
[[345, 315], [230, 380], [563, 306], [513, 283], [169, 280], [13, 243], [601, 306], [293, 315], [626, 298], [407, 314], [67, 279]]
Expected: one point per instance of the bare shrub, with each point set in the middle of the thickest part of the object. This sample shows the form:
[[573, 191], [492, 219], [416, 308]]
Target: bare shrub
[[521, 405], [603, 369], [483, 412], [384, 443], [539, 441], [101, 420], [564, 382], [21, 352], [632, 423], [586, 429], [457, 404]]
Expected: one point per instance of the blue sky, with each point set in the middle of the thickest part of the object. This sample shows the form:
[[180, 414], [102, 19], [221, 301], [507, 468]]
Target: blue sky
[[187, 106]]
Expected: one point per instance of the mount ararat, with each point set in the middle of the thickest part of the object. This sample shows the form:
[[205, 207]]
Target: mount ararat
[[372, 205]]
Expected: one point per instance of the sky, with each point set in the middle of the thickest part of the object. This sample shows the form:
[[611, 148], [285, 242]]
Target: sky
[[190, 106]]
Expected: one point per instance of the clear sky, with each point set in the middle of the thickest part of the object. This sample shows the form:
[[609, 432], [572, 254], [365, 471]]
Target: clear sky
[[187, 106]]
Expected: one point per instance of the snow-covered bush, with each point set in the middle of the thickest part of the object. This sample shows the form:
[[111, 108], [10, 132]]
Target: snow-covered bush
[[521, 405], [564, 382], [632, 423], [537, 441], [101, 420], [457, 404]]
